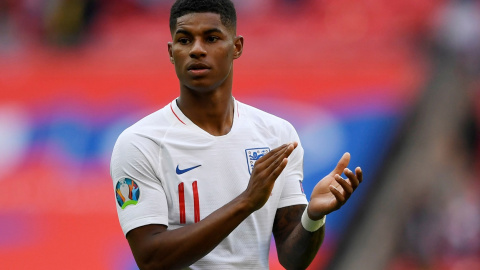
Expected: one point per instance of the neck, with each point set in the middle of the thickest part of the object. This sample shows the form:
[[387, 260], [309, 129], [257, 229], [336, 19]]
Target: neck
[[212, 111]]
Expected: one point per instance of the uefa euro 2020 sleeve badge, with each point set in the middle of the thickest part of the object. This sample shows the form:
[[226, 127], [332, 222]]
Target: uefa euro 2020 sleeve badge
[[255, 154], [127, 192]]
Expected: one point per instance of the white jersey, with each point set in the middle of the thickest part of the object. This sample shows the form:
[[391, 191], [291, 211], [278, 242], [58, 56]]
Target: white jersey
[[166, 170]]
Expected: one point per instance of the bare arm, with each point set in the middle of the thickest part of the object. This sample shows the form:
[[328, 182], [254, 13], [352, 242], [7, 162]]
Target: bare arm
[[154, 247], [297, 247]]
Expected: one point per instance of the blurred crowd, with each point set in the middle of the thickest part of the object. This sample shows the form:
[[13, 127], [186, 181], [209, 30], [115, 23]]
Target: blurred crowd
[[60, 22], [444, 230], [68, 22]]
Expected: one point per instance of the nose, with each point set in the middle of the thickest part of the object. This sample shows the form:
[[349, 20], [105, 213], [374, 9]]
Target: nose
[[197, 50]]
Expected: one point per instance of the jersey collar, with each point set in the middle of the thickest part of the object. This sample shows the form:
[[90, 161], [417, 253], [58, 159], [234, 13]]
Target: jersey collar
[[180, 118]]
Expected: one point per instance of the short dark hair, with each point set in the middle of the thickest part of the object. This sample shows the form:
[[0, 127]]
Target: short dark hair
[[225, 8]]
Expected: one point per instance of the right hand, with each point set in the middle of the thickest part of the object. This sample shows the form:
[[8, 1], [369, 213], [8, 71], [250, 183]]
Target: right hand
[[265, 172]]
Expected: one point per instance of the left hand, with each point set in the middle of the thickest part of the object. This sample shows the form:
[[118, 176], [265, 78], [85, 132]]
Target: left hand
[[333, 191]]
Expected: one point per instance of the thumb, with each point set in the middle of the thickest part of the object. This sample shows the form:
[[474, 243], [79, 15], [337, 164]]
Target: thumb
[[342, 164]]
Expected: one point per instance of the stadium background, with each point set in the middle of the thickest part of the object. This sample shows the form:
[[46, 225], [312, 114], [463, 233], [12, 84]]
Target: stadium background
[[350, 75]]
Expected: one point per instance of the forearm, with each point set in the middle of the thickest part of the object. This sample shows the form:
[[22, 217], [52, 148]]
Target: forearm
[[182, 247], [300, 248], [296, 247]]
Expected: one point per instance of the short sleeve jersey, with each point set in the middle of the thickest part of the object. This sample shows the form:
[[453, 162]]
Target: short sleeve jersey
[[166, 170]]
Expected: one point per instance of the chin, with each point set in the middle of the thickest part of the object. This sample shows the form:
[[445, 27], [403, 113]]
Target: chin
[[201, 88]]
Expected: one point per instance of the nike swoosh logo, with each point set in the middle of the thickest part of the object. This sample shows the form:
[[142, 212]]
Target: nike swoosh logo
[[179, 172]]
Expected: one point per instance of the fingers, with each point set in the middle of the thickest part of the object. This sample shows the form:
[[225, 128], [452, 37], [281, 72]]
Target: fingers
[[272, 154], [279, 150], [280, 156], [279, 169], [353, 179], [276, 156], [339, 189], [345, 185], [266, 171], [277, 165], [338, 196], [359, 173], [349, 185], [342, 164], [273, 163]]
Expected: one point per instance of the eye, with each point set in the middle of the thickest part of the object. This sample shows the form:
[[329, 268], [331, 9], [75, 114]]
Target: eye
[[183, 41], [212, 39]]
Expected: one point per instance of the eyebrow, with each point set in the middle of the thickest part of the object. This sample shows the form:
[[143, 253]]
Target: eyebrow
[[213, 30], [209, 31]]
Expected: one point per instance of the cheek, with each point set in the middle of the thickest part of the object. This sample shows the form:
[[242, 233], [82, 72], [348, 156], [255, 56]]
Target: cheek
[[178, 59], [225, 56], [179, 53]]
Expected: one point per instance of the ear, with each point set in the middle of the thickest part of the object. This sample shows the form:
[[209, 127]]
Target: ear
[[238, 43], [170, 52]]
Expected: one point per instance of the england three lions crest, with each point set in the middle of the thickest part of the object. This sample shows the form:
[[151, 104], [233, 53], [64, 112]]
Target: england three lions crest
[[255, 154]]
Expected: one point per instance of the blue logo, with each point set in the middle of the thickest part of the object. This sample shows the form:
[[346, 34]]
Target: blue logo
[[255, 154], [179, 172]]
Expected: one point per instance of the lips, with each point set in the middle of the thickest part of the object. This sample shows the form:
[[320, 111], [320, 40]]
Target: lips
[[197, 66], [198, 70]]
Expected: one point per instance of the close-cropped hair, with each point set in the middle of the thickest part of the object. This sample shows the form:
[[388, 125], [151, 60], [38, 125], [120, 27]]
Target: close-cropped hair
[[225, 8]]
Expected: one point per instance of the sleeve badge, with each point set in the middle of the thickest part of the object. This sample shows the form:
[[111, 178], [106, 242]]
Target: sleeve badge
[[127, 192]]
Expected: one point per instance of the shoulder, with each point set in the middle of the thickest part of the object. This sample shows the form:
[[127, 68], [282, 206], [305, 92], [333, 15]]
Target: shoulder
[[144, 134], [149, 127], [266, 121], [139, 145]]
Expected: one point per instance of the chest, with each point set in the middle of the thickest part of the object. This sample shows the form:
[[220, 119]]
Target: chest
[[201, 176]]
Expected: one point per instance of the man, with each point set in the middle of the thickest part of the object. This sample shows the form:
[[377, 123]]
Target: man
[[207, 180]]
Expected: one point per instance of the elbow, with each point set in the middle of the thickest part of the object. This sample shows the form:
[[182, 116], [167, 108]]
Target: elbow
[[294, 267], [291, 263], [291, 266], [148, 266], [152, 266], [157, 265]]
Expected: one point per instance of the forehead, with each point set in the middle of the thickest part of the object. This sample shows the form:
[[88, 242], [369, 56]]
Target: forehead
[[200, 22]]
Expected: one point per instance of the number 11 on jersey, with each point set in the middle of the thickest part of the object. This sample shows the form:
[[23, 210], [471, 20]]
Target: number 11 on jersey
[[181, 201]]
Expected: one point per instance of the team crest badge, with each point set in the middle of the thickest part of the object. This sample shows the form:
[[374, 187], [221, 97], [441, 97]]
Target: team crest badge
[[127, 192], [255, 154]]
